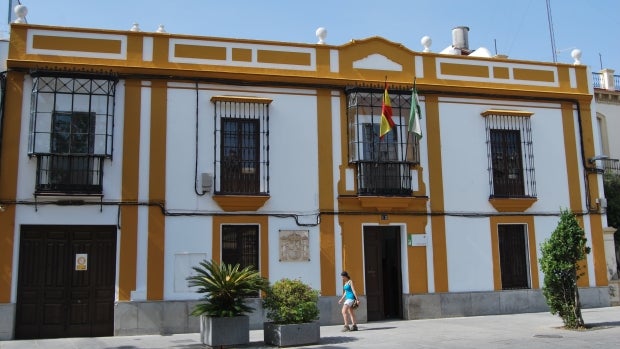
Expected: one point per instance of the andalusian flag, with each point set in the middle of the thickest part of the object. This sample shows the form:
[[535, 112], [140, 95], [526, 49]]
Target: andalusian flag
[[386, 115], [416, 113]]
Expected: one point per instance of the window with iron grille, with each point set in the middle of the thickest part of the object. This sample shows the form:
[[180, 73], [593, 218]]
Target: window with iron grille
[[513, 255], [240, 245], [510, 154], [241, 145], [71, 124], [383, 164]]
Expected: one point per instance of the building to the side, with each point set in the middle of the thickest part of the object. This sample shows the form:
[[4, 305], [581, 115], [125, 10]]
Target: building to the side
[[127, 157], [607, 102]]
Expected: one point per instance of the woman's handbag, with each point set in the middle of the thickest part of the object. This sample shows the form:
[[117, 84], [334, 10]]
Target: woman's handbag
[[356, 303]]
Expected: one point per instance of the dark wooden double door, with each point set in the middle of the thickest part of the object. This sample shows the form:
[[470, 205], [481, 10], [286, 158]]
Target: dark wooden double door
[[66, 282], [383, 272]]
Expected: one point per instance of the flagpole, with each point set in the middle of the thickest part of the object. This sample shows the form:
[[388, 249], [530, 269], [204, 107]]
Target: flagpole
[[382, 103], [407, 146]]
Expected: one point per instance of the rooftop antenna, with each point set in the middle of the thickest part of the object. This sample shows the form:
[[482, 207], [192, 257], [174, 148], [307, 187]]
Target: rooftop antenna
[[600, 58], [550, 20]]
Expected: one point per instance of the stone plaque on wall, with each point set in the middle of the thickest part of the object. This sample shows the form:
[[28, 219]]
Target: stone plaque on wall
[[294, 246]]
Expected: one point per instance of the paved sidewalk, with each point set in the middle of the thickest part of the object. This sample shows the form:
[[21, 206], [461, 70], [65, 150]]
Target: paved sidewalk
[[535, 330]]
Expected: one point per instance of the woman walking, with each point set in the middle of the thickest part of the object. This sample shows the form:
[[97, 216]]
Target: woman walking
[[349, 297]]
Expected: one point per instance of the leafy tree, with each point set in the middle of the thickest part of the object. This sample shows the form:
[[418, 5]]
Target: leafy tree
[[612, 193], [561, 254]]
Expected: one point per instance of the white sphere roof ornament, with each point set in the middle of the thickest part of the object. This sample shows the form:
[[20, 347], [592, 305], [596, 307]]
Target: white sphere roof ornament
[[20, 12], [576, 54], [426, 41], [161, 29], [321, 33], [135, 27]]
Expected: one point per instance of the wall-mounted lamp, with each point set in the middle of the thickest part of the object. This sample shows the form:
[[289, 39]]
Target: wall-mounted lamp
[[1, 208], [598, 157]]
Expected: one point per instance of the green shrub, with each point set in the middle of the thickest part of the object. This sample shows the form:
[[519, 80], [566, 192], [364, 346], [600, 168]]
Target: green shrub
[[225, 287], [561, 254], [611, 185], [291, 302]]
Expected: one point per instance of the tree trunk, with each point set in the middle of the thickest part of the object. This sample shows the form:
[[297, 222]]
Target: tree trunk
[[578, 316]]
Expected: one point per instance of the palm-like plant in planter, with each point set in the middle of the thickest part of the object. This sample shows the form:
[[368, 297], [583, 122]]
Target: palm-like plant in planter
[[225, 288], [292, 307]]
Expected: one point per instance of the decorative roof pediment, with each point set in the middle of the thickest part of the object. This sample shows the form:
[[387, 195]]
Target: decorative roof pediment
[[378, 62], [372, 58]]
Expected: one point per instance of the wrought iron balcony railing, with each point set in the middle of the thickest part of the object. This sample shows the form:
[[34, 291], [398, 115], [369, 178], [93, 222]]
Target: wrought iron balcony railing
[[384, 179], [69, 174], [611, 166]]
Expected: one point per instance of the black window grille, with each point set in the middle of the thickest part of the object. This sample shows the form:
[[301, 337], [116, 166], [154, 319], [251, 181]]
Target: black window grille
[[510, 155], [383, 164], [58, 101], [513, 254], [240, 245], [239, 168], [242, 147], [78, 174], [71, 131]]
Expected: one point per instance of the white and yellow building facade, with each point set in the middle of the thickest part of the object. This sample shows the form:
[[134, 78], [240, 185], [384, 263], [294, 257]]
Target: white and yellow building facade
[[128, 157]]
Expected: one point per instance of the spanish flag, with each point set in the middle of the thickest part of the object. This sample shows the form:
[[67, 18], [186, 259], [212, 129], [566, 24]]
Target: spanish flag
[[386, 115]]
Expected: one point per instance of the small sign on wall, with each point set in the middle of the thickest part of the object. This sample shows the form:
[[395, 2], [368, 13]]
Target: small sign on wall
[[81, 261], [416, 239]]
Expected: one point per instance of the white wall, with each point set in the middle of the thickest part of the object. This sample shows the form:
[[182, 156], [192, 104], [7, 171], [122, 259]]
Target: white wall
[[186, 237], [550, 159], [466, 183], [293, 171], [612, 119], [4, 53], [465, 162], [309, 271], [463, 156], [468, 247], [293, 147]]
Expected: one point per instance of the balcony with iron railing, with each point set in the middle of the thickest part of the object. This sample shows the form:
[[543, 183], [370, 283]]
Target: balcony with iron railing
[[606, 80], [611, 166], [384, 178], [69, 174]]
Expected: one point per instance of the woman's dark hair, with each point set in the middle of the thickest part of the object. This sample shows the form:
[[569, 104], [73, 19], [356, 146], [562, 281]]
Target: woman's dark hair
[[345, 274]]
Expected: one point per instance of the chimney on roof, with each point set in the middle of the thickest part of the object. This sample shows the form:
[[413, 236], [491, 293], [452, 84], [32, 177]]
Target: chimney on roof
[[459, 38]]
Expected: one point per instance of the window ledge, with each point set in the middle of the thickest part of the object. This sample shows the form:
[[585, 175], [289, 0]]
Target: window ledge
[[240, 202], [386, 203], [512, 204], [65, 194]]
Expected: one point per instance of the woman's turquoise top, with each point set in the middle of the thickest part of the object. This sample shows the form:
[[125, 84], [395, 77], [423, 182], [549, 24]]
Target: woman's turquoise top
[[348, 291]]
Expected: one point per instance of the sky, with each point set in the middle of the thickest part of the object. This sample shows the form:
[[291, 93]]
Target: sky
[[517, 28]]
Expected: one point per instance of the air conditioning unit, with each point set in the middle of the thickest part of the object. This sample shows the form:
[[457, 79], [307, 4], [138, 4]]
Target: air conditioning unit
[[207, 182]]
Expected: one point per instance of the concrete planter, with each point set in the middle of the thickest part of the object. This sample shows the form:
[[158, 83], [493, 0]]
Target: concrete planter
[[218, 331], [287, 335]]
